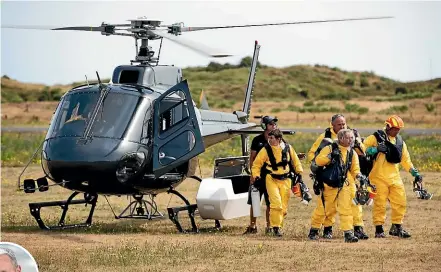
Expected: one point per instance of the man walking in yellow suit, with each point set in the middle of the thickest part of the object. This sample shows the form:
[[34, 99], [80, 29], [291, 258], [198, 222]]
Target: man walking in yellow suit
[[337, 196], [389, 152], [338, 122], [277, 155]]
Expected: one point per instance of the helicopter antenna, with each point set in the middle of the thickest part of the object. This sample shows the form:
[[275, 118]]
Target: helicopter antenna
[[99, 80], [87, 81]]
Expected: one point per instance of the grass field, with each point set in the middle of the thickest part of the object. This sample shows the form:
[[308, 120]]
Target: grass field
[[112, 245]]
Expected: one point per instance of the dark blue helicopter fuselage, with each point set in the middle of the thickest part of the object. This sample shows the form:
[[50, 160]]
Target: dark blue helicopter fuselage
[[115, 158]]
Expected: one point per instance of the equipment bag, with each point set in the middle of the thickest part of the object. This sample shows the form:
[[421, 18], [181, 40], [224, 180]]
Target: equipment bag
[[335, 173], [394, 151]]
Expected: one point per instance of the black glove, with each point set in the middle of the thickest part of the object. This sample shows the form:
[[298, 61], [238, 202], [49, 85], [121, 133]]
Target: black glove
[[382, 147], [419, 179], [364, 181]]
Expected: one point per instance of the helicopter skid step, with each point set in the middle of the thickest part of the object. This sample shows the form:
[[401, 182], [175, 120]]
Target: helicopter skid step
[[35, 209]]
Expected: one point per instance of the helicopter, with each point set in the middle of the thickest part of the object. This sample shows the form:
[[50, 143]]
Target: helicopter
[[139, 134]]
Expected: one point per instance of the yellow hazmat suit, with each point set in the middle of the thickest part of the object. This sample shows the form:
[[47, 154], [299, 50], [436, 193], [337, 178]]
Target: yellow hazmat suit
[[386, 177], [278, 190], [357, 210], [336, 201]]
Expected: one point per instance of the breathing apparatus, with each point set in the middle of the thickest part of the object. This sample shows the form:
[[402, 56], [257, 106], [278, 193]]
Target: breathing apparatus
[[300, 189], [420, 192], [365, 193]]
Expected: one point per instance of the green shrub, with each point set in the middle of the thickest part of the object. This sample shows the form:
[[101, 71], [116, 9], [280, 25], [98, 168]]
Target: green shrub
[[395, 109], [349, 81], [364, 82], [430, 107], [355, 108], [400, 90], [308, 103]]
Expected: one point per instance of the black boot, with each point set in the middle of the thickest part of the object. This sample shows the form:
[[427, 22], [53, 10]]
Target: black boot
[[313, 234], [250, 230], [349, 237], [277, 232], [327, 232], [359, 233], [397, 230], [379, 232]]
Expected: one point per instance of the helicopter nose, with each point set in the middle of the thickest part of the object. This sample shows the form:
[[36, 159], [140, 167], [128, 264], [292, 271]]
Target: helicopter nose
[[65, 159]]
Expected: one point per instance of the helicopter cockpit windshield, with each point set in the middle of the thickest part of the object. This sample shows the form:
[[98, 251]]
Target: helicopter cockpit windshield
[[76, 109]]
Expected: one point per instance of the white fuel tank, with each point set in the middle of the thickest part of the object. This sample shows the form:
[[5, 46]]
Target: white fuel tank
[[223, 198]]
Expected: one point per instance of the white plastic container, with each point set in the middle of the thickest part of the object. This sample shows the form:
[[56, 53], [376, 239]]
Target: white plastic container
[[255, 201], [217, 200]]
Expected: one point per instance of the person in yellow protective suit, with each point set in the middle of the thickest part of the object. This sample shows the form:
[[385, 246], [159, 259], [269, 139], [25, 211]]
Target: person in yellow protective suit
[[337, 195], [338, 122], [276, 156], [385, 176]]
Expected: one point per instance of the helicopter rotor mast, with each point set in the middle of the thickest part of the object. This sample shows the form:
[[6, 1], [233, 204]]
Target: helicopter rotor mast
[[147, 29]]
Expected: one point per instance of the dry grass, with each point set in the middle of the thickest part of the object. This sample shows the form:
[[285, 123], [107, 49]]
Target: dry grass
[[112, 245]]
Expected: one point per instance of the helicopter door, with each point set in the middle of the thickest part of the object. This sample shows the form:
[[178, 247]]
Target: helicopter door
[[177, 136]]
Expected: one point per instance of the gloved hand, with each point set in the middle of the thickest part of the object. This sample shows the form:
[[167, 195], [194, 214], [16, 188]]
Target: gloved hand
[[382, 147], [364, 181], [419, 179], [253, 179], [299, 178], [414, 172], [371, 151]]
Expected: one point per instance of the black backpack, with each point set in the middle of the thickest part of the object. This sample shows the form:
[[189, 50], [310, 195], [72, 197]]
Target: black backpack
[[365, 164], [393, 154], [335, 173]]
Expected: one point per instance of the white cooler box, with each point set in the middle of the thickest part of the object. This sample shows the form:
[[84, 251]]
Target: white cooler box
[[225, 196]]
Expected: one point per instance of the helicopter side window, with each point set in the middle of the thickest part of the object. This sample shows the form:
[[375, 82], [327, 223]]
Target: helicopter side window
[[174, 109]]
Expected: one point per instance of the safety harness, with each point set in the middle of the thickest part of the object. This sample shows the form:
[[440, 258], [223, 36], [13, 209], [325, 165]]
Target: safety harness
[[275, 165]]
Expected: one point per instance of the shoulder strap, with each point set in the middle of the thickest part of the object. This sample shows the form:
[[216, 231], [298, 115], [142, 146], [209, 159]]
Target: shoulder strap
[[380, 136], [348, 164], [328, 133], [399, 143], [271, 157]]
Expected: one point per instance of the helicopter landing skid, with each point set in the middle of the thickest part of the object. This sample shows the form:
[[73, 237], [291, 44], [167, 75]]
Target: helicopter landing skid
[[173, 213], [141, 209], [88, 199]]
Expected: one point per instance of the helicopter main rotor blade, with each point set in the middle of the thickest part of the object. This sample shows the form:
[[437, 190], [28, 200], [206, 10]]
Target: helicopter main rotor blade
[[102, 28], [197, 28], [197, 47]]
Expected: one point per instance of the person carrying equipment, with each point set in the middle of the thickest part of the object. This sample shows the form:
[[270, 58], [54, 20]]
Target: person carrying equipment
[[388, 150], [338, 122], [268, 123], [276, 155], [339, 162]]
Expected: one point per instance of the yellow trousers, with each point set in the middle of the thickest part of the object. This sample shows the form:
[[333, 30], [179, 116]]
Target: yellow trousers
[[357, 212], [334, 203], [395, 193], [278, 192]]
